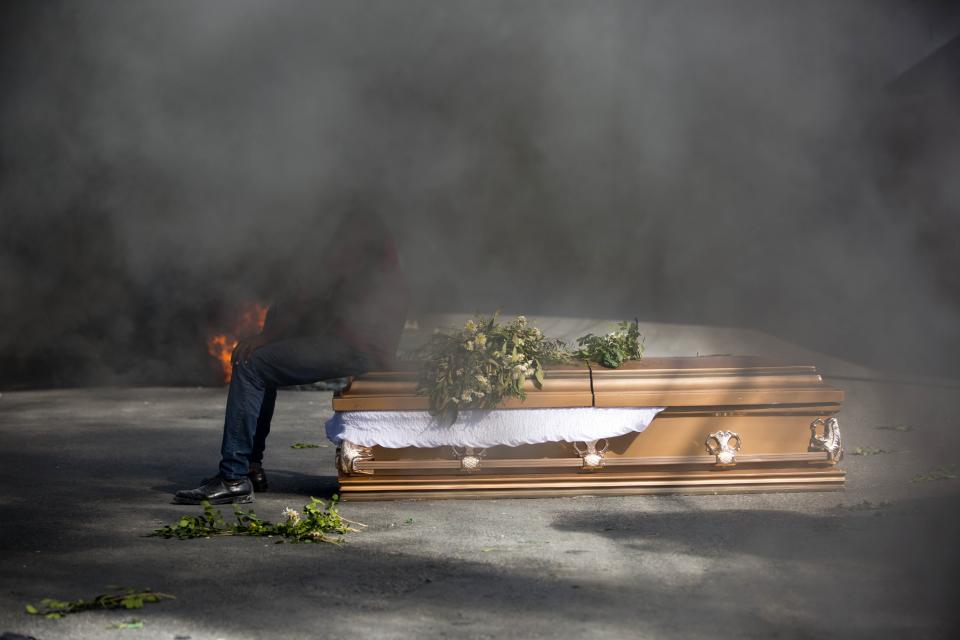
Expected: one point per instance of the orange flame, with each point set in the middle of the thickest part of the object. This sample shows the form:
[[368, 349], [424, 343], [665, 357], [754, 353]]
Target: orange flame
[[221, 346]]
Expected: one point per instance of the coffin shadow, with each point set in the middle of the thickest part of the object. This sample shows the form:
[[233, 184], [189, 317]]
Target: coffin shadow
[[699, 531], [915, 537]]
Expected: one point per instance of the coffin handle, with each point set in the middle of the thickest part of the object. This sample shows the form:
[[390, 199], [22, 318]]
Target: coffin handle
[[469, 458], [721, 444], [830, 442], [349, 454], [591, 453]]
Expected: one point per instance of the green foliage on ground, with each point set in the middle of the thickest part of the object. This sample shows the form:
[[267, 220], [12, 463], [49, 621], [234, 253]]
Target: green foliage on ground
[[902, 428], [319, 522], [869, 451], [129, 598], [133, 623], [941, 472]]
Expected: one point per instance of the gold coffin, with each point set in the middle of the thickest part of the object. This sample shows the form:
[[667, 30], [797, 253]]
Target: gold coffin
[[730, 424]]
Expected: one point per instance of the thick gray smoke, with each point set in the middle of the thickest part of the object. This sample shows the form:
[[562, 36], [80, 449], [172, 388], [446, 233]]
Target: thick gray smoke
[[739, 163]]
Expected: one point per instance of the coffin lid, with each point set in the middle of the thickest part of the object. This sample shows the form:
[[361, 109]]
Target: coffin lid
[[701, 381]]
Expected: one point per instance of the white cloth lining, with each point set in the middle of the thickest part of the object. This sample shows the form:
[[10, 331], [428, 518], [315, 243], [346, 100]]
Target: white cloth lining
[[482, 429]]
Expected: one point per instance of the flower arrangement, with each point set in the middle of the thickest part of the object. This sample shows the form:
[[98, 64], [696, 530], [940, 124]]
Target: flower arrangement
[[613, 349], [484, 362]]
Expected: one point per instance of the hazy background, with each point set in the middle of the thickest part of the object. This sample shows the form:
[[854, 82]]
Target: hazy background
[[790, 167]]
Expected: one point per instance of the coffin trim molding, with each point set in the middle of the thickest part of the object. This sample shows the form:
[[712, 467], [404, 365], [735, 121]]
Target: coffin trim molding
[[369, 465]]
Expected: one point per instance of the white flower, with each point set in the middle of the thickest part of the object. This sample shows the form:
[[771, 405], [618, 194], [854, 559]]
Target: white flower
[[521, 320], [482, 379], [466, 397], [292, 515], [468, 345], [471, 326], [481, 341]]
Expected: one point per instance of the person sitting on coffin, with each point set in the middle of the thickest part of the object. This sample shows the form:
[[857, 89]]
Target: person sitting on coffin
[[339, 322]]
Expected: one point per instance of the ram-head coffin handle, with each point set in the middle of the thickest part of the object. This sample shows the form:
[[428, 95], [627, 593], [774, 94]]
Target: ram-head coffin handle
[[724, 445], [469, 458], [349, 454], [830, 442], [591, 453]]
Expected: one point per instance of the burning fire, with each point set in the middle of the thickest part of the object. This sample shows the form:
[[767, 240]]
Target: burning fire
[[220, 347]]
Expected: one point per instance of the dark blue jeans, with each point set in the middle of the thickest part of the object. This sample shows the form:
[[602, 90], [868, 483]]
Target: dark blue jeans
[[253, 391]]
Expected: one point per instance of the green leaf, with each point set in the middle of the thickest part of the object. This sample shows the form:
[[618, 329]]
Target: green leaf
[[32, 610], [132, 624], [869, 451], [902, 428]]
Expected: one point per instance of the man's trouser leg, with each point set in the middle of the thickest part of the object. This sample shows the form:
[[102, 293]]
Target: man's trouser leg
[[263, 424], [282, 363]]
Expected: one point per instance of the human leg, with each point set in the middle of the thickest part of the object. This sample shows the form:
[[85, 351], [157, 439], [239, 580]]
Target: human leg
[[257, 477], [253, 391], [244, 399], [250, 405], [263, 424]]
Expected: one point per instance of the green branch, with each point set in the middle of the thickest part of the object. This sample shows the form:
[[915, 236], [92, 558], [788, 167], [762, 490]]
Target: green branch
[[316, 523]]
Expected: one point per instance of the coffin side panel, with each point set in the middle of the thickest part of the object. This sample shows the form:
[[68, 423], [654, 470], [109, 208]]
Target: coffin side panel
[[770, 406]]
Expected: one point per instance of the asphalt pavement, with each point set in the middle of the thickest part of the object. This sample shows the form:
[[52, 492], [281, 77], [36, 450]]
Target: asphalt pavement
[[87, 473]]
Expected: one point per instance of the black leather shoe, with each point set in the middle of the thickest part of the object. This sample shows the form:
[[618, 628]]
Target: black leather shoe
[[257, 477], [217, 490]]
